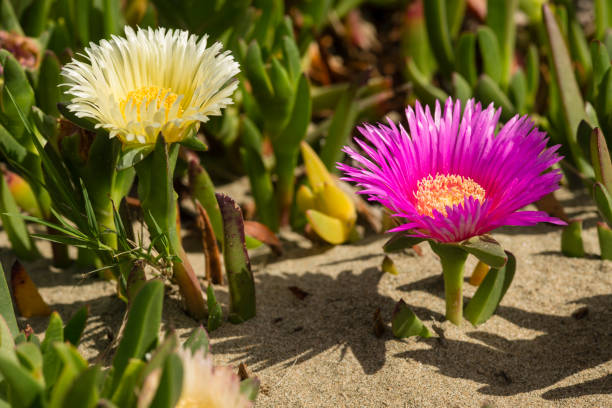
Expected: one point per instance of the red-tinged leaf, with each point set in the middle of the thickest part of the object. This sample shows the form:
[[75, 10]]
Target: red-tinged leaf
[[264, 234], [214, 270]]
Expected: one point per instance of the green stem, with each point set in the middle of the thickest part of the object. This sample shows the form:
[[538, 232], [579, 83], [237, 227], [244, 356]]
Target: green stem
[[159, 205], [285, 166], [452, 259]]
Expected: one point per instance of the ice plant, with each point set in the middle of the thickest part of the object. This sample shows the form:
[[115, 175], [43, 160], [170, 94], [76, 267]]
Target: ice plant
[[151, 90], [149, 82], [207, 385], [452, 178]]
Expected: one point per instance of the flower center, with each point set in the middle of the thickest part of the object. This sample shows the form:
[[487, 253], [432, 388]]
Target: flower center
[[163, 97], [445, 190]]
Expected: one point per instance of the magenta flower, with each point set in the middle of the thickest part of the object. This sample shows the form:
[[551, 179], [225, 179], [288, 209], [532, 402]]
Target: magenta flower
[[453, 176]]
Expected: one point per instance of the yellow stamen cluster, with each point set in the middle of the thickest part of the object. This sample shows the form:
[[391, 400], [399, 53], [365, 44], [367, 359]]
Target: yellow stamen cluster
[[163, 96], [445, 190]]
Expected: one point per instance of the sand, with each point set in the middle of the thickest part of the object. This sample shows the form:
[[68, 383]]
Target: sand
[[549, 345]]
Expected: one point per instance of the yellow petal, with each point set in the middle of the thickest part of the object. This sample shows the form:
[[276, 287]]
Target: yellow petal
[[315, 169], [334, 202], [305, 198], [330, 229]]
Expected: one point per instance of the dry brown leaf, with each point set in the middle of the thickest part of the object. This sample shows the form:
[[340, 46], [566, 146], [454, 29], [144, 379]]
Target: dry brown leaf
[[27, 298]]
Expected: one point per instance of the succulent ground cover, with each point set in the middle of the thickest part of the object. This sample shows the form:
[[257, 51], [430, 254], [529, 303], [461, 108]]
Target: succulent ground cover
[[305, 203]]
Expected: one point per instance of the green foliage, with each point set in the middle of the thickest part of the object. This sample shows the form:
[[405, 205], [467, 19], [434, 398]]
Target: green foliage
[[490, 292], [405, 323], [237, 263]]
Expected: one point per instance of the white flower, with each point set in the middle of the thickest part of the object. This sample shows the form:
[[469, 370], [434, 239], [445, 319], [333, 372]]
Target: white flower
[[207, 386], [149, 82]]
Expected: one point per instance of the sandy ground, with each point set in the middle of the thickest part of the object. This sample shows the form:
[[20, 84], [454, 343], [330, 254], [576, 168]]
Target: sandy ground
[[322, 352]]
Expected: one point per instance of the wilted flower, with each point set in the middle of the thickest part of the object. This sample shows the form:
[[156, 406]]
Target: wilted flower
[[207, 385], [454, 177], [24, 49], [149, 82]]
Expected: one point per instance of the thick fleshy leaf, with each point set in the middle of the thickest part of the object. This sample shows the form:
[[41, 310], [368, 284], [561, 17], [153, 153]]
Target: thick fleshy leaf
[[317, 173], [579, 49], [340, 129], [486, 249], [6, 338], [572, 103], [603, 17], [25, 389], [405, 323], [400, 241], [600, 157], [215, 314], [490, 292], [250, 388], [332, 201], [237, 263], [439, 33], [423, 88], [48, 92], [455, 12], [488, 91], [52, 362], [490, 53], [259, 177], [304, 198], [124, 394], [8, 18], [85, 387], [603, 104], [76, 325], [170, 384], [203, 190], [518, 91], [461, 88], [198, 340], [142, 327], [601, 64], [30, 357], [500, 17], [6, 309], [571, 240], [194, 143], [329, 228], [604, 233], [532, 74], [17, 96], [295, 131], [603, 201], [466, 65]]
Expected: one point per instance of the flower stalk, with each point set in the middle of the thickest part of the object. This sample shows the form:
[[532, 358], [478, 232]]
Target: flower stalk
[[158, 202], [453, 260]]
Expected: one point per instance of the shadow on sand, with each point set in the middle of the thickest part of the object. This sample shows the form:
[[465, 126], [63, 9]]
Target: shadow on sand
[[567, 346]]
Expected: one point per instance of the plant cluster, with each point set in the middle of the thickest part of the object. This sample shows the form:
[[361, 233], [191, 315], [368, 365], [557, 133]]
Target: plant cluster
[[118, 118]]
